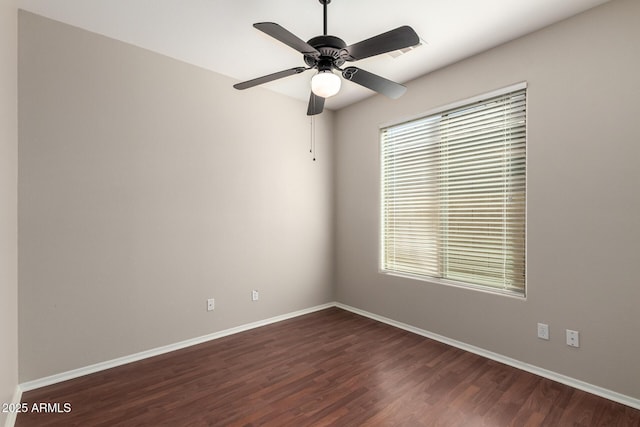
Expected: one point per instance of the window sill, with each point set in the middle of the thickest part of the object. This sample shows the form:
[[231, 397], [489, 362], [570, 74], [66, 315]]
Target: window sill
[[479, 288]]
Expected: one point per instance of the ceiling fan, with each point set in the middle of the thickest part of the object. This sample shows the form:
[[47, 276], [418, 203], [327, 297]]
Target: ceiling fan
[[327, 53]]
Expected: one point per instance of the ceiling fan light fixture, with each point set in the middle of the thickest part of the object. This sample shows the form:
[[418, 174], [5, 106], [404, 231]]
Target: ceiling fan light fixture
[[325, 84]]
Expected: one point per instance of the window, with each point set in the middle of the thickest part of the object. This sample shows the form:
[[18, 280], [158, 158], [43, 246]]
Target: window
[[453, 191]]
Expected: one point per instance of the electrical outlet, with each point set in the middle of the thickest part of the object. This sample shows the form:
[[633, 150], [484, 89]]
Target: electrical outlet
[[543, 331], [211, 304], [573, 338], [255, 296]]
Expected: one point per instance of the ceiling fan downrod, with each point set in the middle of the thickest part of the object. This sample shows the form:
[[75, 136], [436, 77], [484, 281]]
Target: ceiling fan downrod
[[324, 7]]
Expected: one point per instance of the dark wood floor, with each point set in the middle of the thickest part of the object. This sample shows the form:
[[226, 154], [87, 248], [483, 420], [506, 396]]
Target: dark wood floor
[[327, 368]]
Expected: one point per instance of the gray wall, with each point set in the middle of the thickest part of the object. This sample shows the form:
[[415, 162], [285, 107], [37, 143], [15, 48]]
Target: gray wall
[[146, 186], [8, 201], [583, 201]]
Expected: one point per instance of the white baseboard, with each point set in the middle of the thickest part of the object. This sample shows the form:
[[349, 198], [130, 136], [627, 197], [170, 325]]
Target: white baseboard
[[554, 376], [75, 373], [10, 421]]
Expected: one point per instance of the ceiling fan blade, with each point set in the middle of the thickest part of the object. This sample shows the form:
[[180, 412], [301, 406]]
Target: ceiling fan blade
[[316, 105], [398, 38], [281, 34], [268, 78], [374, 82]]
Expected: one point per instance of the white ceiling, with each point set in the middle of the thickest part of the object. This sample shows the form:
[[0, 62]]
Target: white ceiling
[[218, 34]]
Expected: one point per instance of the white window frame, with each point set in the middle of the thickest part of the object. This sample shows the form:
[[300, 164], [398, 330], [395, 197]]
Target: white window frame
[[433, 112]]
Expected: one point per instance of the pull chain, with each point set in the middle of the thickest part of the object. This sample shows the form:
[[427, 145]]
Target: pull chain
[[312, 143]]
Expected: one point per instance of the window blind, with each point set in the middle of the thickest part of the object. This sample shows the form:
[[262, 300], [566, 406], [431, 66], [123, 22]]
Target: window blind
[[453, 194]]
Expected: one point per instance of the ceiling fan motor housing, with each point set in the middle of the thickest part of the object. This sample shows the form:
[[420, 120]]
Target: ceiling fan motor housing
[[329, 48]]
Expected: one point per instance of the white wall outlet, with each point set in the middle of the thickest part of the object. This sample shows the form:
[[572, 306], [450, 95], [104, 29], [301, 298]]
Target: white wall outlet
[[543, 331], [211, 304], [573, 338], [255, 296]]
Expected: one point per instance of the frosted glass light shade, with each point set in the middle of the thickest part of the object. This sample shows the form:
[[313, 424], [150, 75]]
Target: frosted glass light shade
[[325, 84]]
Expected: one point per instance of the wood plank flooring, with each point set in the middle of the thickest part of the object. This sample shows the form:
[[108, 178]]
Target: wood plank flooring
[[329, 368]]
